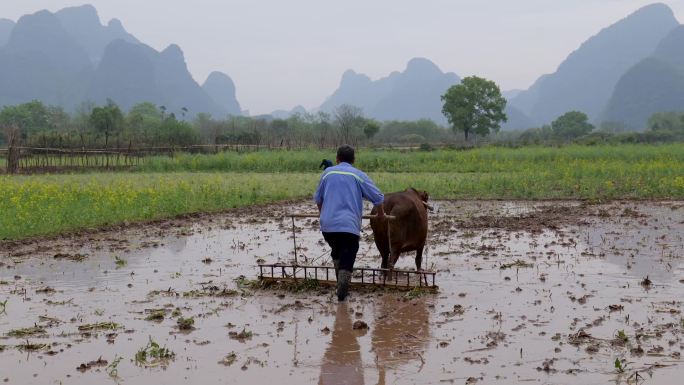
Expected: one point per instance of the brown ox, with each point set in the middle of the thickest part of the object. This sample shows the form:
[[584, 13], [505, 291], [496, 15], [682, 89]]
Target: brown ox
[[407, 232]]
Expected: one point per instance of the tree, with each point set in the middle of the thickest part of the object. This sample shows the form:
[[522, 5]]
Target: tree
[[179, 133], [322, 128], [666, 121], [207, 127], [371, 129], [571, 125], [349, 119], [29, 118], [613, 127], [475, 105], [392, 131], [13, 121], [279, 128], [82, 120], [536, 135], [59, 120], [107, 119], [144, 122]]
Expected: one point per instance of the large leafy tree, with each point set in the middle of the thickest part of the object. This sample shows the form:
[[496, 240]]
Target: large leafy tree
[[371, 128], [571, 125], [108, 120], [179, 133], [144, 122], [29, 118], [474, 106]]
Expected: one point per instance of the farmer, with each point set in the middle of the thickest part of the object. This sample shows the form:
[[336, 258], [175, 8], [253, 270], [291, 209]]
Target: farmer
[[339, 197], [325, 164]]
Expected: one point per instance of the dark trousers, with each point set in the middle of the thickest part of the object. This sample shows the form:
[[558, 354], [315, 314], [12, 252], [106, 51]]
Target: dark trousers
[[344, 248]]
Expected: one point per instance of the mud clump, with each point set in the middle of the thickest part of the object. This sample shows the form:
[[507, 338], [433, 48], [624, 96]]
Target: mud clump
[[92, 364], [229, 359], [646, 282], [70, 257], [242, 336]]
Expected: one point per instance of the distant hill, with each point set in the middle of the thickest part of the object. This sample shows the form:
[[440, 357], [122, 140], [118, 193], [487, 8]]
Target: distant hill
[[5, 30], [587, 78], [284, 114], [41, 61], [656, 84], [69, 57], [130, 72], [517, 120], [221, 89], [510, 94], [126, 74], [412, 94], [83, 25], [409, 95]]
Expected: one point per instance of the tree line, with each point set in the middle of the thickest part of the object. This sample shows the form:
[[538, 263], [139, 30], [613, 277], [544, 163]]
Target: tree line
[[474, 108], [147, 125]]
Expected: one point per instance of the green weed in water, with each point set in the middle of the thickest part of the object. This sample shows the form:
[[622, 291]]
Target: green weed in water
[[153, 354], [185, 323], [156, 315], [113, 367], [119, 262], [26, 332], [621, 336], [99, 326]]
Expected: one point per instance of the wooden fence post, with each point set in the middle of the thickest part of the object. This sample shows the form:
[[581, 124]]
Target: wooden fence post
[[13, 135]]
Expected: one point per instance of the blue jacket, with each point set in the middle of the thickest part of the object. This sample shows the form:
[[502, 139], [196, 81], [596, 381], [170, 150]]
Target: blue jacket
[[341, 191]]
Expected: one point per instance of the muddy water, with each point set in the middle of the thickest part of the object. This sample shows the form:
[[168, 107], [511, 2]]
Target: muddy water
[[552, 318]]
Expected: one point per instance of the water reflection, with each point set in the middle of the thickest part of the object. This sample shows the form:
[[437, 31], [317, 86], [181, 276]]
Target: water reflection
[[342, 360], [400, 334]]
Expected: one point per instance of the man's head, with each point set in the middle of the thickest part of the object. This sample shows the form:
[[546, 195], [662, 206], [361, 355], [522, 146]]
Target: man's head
[[345, 154]]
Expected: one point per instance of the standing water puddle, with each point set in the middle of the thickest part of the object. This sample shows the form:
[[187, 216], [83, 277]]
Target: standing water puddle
[[530, 292]]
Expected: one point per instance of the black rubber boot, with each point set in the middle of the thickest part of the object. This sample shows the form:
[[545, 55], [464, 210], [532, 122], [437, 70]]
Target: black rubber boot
[[343, 280]]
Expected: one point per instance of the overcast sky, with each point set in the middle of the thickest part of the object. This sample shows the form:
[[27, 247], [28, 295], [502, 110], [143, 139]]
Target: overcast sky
[[281, 53]]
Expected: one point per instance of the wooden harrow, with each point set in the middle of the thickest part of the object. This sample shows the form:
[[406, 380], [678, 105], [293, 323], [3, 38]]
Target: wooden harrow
[[361, 276]]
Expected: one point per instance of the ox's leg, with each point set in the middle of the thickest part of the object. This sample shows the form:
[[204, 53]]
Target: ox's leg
[[419, 258], [419, 262], [394, 256], [385, 261], [383, 248]]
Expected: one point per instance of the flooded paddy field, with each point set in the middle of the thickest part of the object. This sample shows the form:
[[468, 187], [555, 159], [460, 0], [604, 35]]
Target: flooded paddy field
[[547, 292]]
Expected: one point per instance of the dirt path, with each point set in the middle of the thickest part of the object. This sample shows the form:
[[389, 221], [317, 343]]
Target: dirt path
[[545, 292]]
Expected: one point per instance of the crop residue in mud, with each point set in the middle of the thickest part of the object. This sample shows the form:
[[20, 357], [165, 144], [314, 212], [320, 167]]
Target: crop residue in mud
[[542, 292]]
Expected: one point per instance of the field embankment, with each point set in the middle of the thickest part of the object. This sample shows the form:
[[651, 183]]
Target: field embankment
[[51, 204]]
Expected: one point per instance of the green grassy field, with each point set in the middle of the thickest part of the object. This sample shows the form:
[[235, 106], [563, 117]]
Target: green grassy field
[[51, 204], [480, 160]]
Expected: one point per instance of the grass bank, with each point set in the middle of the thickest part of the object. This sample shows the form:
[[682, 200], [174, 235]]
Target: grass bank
[[50, 204], [478, 160]]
